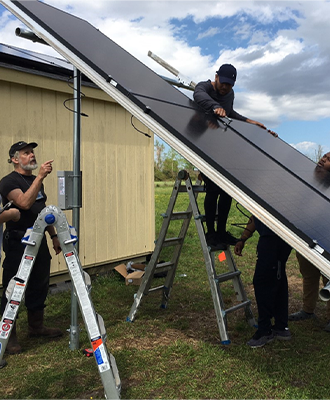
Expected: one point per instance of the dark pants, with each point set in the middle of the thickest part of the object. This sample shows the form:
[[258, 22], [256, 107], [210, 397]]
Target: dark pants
[[216, 201], [38, 284], [271, 284]]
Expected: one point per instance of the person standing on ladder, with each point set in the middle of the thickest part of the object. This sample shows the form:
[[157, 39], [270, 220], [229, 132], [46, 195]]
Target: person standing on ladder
[[217, 98], [26, 191]]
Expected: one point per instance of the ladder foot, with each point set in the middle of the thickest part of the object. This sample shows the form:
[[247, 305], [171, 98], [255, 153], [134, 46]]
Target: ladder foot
[[128, 319], [225, 342], [3, 363], [163, 306]]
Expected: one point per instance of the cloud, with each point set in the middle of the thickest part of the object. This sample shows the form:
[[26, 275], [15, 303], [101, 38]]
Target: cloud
[[311, 149], [282, 55], [305, 147], [208, 33]]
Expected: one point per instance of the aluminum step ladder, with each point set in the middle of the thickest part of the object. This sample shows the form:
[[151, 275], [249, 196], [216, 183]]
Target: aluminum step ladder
[[81, 282], [209, 254]]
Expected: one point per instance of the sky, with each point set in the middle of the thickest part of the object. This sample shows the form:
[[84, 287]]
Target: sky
[[281, 50]]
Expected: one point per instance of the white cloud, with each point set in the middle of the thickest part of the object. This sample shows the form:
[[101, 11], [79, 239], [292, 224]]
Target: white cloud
[[208, 33], [305, 147]]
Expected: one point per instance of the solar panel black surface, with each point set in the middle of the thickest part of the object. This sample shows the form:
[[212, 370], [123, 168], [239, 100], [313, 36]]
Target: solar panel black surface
[[273, 174]]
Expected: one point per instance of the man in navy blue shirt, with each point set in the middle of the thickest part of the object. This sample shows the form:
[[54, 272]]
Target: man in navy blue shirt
[[217, 98]]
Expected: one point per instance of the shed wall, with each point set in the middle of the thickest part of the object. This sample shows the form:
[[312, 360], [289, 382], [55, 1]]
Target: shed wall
[[117, 214]]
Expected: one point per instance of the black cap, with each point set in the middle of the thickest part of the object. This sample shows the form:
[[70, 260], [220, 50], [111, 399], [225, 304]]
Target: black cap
[[227, 74], [19, 146]]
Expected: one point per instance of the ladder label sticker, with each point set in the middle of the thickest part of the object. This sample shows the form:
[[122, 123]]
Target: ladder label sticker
[[5, 327], [101, 358], [11, 310], [96, 343], [82, 294], [4, 334], [25, 267], [18, 292]]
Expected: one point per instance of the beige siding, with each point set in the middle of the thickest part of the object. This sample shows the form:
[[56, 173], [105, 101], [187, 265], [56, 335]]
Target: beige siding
[[117, 217]]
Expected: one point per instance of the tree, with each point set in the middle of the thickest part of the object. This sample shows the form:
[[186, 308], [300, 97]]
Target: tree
[[318, 153], [171, 164], [159, 149]]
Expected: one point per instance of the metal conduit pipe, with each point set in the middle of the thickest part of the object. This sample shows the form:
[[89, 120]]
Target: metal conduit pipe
[[325, 292], [26, 34]]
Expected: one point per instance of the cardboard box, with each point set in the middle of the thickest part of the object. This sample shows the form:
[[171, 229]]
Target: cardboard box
[[133, 278]]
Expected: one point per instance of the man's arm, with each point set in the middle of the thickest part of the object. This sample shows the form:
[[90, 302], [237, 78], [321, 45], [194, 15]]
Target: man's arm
[[251, 121], [203, 98], [10, 215], [248, 232], [53, 235], [25, 200]]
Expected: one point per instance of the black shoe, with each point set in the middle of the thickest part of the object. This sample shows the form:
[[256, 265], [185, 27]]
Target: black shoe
[[211, 239], [213, 242], [227, 238], [260, 339]]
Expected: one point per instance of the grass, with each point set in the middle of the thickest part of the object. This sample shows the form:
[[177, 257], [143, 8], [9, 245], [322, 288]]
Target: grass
[[177, 352]]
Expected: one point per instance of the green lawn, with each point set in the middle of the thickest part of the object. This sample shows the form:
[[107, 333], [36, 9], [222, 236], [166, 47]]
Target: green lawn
[[177, 352]]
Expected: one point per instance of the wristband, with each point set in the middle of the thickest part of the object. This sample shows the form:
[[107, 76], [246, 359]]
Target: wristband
[[53, 236]]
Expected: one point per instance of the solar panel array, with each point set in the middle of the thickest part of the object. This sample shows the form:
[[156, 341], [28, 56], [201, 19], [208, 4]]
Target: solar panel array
[[281, 180]]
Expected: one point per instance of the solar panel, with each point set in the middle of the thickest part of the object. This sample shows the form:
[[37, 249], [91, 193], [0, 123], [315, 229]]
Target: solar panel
[[279, 185]]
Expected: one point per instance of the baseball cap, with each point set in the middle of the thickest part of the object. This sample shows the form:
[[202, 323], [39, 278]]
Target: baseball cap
[[227, 74], [19, 146]]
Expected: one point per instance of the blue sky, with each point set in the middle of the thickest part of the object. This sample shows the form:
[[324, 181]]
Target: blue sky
[[280, 49]]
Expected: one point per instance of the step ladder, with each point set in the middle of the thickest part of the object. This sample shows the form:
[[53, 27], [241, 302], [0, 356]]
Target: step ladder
[[94, 324], [209, 254]]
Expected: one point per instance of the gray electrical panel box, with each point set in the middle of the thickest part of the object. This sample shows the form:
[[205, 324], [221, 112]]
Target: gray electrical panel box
[[65, 190]]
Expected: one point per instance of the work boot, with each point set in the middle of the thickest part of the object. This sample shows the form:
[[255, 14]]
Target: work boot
[[37, 328], [13, 347]]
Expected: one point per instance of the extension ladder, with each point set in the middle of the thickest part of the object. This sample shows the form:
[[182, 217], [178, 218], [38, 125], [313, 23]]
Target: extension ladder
[[94, 324], [215, 279]]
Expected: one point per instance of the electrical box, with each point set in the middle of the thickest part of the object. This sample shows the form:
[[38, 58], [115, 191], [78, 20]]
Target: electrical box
[[65, 184]]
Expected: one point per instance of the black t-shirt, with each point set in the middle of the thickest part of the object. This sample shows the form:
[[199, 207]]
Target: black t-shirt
[[17, 181]]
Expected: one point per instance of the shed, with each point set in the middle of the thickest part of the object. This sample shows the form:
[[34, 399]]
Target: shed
[[117, 216]]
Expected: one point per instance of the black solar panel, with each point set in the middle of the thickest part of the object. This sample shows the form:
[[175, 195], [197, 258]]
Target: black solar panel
[[268, 170]]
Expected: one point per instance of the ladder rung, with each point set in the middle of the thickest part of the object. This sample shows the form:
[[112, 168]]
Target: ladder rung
[[238, 306], [195, 188], [165, 266], [180, 215], [172, 241], [154, 289], [227, 275]]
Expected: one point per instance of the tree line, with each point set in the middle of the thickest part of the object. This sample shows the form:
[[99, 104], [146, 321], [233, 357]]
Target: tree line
[[168, 164]]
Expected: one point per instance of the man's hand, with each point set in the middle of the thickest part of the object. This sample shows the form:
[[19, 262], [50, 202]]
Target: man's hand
[[272, 133], [220, 112], [239, 247], [45, 169]]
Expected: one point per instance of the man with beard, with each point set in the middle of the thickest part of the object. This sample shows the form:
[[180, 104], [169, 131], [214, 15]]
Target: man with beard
[[310, 274], [26, 191]]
